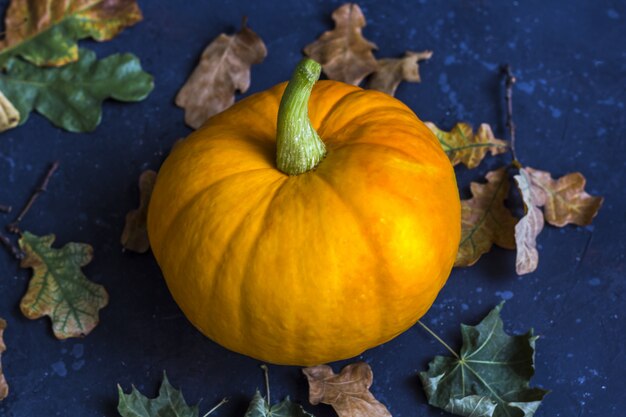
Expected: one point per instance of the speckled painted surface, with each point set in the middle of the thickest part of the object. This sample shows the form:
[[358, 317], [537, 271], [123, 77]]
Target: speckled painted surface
[[570, 59]]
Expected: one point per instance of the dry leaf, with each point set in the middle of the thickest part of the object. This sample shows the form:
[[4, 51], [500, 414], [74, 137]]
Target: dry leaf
[[463, 146], [45, 31], [485, 220], [564, 201], [528, 227], [58, 287], [391, 72], [4, 387], [135, 234], [9, 116], [348, 392], [345, 55], [224, 68]]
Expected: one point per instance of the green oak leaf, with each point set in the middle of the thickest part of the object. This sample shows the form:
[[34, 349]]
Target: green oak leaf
[[71, 96], [490, 377], [259, 407], [58, 287], [169, 403], [45, 32]]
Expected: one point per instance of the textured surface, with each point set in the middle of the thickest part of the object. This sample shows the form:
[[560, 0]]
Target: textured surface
[[569, 103]]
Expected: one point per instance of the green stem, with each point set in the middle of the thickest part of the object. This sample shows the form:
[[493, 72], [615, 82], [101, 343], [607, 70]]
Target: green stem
[[298, 146]]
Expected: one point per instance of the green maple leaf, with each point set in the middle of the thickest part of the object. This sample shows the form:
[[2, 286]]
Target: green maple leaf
[[71, 96], [490, 377], [169, 403], [45, 32], [58, 288], [260, 407]]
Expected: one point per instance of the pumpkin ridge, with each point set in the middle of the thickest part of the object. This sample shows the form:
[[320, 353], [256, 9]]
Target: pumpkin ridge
[[191, 201], [333, 109]]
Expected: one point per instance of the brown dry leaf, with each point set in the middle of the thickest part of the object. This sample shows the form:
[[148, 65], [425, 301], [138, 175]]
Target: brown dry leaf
[[135, 234], [485, 220], [345, 55], [564, 201], [391, 72], [463, 146], [9, 116], [4, 387], [45, 32], [347, 392], [528, 227], [224, 68]]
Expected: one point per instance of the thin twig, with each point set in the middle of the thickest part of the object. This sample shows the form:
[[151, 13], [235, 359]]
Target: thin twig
[[5, 209], [6, 242], [13, 227], [509, 81], [440, 340]]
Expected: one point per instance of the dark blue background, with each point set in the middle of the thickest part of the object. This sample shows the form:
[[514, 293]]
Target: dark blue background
[[570, 60]]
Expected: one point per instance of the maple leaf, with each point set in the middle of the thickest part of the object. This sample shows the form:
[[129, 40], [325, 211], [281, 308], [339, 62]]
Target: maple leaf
[[347, 392], [485, 220], [58, 288], [71, 96], [463, 146], [564, 201], [528, 227], [260, 407], [391, 72], [4, 387], [224, 68], [45, 32], [135, 234], [490, 376], [345, 55]]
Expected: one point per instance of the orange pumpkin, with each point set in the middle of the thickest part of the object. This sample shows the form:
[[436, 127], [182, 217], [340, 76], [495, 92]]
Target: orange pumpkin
[[344, 250]]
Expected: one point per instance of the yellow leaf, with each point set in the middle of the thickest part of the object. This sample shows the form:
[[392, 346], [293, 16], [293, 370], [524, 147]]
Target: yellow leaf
[[463, 146], [485, 220], [345, 55]]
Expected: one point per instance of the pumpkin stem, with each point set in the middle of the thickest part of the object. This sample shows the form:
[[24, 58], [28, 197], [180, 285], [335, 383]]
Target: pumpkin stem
[[298, 146]]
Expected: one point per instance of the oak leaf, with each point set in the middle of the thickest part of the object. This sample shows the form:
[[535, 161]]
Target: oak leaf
[[564, 200], [485, 220], [391, 72], [490, 376], [71, 96], [462, 145], [135, 233], [345, 55], [45, 32], [224, 68], [4, 387], [528, 227], [58, 287], [347, 392]]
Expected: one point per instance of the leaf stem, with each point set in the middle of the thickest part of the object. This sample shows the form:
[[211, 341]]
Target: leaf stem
[[15, 252], [221, 403], [298, 146], [509, 82], [433, 334], [267, 382], [13, 227]]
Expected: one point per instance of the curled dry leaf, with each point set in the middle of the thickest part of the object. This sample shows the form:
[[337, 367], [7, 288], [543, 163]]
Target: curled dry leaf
[[528, 227], [463, 146], [490, 377], [564, 201], [485, 220], [345, 55], [135, 234], [391, 72], [347, 392], [9, 116], [223, 69], [58, 287], [4, 387], [45, 32]]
